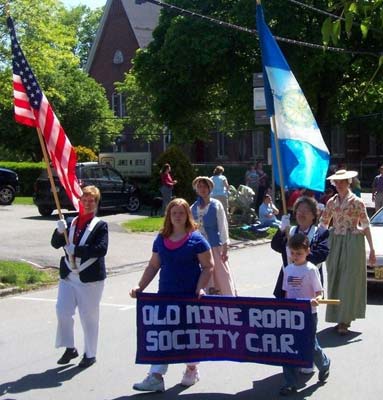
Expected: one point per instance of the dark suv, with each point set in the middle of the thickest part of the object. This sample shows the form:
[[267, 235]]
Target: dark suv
[[116, 192], [9, 186]]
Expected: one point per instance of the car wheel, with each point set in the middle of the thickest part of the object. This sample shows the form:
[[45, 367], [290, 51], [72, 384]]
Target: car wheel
[[7, 195], [45, 211], [134, 204]]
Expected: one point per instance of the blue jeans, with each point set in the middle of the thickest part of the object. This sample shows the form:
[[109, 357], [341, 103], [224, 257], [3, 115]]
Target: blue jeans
[[321, 361], [167, 193]]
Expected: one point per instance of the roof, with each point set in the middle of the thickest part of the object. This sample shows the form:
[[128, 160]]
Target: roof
[[142, 16]]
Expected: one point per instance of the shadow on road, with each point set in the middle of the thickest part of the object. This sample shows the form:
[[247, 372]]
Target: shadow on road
[[267, 388], [48, 379], [330, 338], [375, 294]]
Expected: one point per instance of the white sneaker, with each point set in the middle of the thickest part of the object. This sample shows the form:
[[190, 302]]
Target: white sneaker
[[307, 371], [150, 384], [191, 376]]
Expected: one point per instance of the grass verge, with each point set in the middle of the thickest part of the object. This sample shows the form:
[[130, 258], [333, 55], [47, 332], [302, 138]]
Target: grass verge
[[154, 224], [25, 276], [150, 224], [28, 201]]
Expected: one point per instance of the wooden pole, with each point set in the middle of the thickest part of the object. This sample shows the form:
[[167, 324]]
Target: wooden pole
[[51, 180], [279, 164], [329, 301]]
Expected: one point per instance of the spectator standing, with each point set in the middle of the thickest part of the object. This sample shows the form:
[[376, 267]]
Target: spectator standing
[[167, 183], [183, 257], [82, 274], [377, 189], [346, 263], [212, 223], [221, 187], [301, 281], [263, 183], [251, 178]]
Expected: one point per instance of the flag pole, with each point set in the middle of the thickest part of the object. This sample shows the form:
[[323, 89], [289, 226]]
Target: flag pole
[[279, 164], [278, 155], [51, 180]]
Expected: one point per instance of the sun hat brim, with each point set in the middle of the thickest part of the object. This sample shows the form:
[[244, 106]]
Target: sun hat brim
[[205, 179], [342, 174]]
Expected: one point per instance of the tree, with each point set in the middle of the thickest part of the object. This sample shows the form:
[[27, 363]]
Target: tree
[[48, 38], [85, 22], [364, 14], [197, 75]]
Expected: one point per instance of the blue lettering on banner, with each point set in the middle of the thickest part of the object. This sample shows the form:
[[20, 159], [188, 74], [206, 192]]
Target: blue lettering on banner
[[178, 329]]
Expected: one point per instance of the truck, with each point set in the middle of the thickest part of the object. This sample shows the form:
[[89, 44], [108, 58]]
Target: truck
[[129, 164]]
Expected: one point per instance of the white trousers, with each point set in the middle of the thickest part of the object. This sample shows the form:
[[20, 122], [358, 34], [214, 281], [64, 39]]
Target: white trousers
[[86, 296], [162, 368]]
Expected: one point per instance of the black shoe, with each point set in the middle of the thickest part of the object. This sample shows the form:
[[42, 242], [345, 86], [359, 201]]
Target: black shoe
[[287, 390], [67, 356], [324, 373], [87, 361]]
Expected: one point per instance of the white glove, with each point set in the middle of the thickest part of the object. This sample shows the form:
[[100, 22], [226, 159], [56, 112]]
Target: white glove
[[69, 248], [61, 226], [285, 222]]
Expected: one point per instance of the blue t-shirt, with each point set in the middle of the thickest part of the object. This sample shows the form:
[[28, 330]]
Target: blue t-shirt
[[180, 268]]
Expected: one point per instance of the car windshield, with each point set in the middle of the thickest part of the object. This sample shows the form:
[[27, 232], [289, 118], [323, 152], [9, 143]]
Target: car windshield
[[377, 219]]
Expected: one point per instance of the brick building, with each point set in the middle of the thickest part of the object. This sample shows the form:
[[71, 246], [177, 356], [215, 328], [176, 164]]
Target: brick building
[[127, 25]]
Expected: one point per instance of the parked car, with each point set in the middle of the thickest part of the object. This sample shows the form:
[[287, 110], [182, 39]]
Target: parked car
[[116, 192], [377, 234], [9, 186]]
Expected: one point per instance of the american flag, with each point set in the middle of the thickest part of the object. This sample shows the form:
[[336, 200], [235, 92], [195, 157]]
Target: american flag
[[33, 109], [294, 281]]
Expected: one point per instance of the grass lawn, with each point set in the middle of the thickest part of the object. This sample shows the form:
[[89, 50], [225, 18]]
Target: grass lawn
[[25, 276], [154, 224], [23, 200], [150, 224]]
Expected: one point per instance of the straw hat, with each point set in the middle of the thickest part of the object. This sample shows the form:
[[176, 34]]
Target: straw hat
[[342, 174], [204, 179]]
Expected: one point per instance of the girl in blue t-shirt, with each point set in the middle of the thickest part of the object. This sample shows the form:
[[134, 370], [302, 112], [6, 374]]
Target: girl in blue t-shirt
[[184, 259]]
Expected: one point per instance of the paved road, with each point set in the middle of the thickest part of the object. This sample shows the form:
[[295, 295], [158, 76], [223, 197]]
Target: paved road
[[26, 235], [28, 369]]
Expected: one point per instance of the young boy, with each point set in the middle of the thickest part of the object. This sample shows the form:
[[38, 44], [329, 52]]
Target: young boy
[[301, 280]]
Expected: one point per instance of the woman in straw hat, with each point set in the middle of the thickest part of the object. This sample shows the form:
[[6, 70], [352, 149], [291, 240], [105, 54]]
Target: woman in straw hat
[[212, 221], [346, 263]]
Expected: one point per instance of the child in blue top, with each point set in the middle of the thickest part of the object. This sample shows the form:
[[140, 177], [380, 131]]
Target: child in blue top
[[184, 259], [301, 280]]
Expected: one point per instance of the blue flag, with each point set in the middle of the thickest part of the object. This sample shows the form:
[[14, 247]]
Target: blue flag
[[304, 154]]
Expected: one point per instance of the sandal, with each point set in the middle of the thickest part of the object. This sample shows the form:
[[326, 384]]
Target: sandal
[[343, 329]]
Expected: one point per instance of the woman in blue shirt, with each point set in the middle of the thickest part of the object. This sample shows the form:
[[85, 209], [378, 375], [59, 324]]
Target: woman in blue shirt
[[184, 259]]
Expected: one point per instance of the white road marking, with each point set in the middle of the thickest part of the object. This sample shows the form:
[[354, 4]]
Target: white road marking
[[122, 307]]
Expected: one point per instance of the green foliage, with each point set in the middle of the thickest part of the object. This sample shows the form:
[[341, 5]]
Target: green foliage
[[49, 36], [28, 172], [365, 14], [140, 104], [181, 170], [197, 76], [85, 154], [85, 22], [23, 275]]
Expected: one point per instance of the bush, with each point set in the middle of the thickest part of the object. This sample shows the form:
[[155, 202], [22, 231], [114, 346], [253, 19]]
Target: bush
[[28, 172], [85, 154]]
